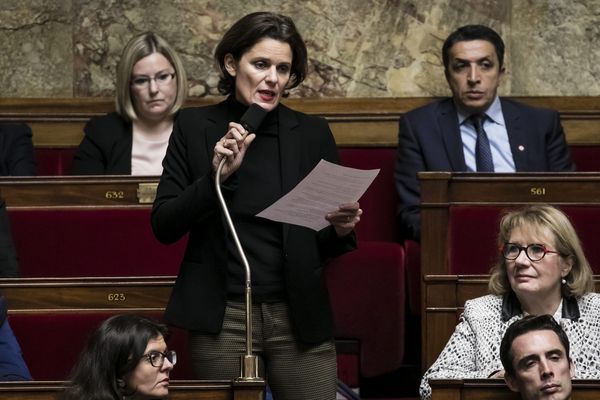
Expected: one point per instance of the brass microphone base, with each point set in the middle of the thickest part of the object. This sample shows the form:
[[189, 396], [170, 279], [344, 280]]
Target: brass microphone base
[[249, 369]]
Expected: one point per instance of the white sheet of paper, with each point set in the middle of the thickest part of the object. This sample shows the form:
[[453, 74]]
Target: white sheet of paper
[[322, 191]]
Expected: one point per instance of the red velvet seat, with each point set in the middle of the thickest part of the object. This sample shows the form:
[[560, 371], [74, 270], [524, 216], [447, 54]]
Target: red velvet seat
[[54, 161], [368, 286], [91, 242], [473, 230], [586, 157], [367, 289], [380, 202]]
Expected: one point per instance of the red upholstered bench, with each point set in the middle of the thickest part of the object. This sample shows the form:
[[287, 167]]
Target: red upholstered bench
[[379, 204], [380, 201], [89, 242], [51, 341], [367, 289], [586, 157], [368, 286], [53, 161], [473, 230]]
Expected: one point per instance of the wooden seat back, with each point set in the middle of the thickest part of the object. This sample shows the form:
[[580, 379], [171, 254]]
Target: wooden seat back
[[460, 219]]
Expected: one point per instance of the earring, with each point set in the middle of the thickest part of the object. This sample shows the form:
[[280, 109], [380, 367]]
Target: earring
[[563, 281]]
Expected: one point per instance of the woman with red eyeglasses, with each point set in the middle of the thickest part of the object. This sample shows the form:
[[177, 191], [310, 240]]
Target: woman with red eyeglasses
[[126, 357], [541, 269]]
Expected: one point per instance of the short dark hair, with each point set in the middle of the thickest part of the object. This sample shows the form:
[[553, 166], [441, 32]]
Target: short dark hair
[[473, 32], [528, 324], [248, 31], [113, 351]]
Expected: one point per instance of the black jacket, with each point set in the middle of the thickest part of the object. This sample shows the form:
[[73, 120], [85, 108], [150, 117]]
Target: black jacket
[[105, 148], [17, 157], [186, 202]]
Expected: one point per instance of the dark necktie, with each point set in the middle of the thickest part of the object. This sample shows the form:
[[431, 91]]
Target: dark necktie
[[483, 152]]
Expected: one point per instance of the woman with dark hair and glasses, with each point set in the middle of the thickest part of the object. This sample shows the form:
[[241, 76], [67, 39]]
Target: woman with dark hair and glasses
[[260, 58], [151, 88], [541, 269], [126, 357]]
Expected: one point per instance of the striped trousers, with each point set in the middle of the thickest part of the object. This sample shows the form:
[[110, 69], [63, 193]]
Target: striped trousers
[[294, 370]]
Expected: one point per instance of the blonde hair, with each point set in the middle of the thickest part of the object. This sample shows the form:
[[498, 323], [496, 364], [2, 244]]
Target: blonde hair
[[567, 244], [137, 48]]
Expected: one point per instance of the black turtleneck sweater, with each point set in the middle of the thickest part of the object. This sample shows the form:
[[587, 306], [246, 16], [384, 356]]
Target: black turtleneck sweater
[[256, 185]]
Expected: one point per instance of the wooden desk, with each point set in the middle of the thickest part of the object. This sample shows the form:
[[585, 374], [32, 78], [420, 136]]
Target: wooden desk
[[78, 191], [178, 390], [58, 122], [443, 191], [79, 294], [496, 389], [87, 226]]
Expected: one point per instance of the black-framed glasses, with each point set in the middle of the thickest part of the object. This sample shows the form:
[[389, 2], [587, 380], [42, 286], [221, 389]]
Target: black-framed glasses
[[162, 79], [535, 252], [157, 359]]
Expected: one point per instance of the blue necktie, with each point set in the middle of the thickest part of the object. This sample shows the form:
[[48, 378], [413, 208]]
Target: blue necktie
[[483, 152]]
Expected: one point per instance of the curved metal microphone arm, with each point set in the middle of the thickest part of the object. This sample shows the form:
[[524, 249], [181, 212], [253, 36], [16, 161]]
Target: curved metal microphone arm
[[249, 362]]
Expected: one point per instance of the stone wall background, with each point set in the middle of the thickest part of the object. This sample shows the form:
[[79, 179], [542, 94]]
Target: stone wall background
[[357, 48]]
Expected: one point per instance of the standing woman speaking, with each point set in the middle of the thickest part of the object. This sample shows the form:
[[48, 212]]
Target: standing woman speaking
[[260, 57]]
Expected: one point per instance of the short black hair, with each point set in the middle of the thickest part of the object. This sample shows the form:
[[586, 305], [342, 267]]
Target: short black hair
[[473, 32], [248, 31], [529, 323]]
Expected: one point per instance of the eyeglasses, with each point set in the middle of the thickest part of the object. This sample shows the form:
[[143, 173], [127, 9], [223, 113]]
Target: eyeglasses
[[157, 359], [535, 252], [162, 79]]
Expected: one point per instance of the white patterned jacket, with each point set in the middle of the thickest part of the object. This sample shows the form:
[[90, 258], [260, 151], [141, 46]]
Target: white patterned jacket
[[473, 350]]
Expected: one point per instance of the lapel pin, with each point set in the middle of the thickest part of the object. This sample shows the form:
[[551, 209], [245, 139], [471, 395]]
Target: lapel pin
[[521, 147]]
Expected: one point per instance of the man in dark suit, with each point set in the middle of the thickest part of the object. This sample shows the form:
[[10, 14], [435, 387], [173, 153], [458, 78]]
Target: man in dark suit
[[474, 130], [16, 159]]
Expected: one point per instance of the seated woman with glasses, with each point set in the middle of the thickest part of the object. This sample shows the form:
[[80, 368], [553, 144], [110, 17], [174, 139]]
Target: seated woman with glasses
[[151, 88], [541, 269], [126, 357]]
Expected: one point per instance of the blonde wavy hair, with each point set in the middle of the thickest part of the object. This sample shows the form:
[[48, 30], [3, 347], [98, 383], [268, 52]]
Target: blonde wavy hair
[[579, 281]]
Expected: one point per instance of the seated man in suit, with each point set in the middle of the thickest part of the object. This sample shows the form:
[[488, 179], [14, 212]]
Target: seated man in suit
[[474, 130], [16, 159], [535, 356]]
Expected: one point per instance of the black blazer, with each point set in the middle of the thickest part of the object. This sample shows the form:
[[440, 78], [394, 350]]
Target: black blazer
[[17, 157], [186, 202], [429, 140], [105, 148]]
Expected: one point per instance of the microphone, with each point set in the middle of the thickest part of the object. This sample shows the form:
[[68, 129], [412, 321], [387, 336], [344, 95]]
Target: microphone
[[251, 121], [253, 117]]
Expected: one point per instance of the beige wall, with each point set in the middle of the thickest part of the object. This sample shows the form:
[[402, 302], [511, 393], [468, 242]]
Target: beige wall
[[357, 48]]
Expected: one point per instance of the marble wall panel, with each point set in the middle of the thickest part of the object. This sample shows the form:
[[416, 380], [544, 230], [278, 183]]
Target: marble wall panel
[[556, 47], [357, 48], [37, 51]]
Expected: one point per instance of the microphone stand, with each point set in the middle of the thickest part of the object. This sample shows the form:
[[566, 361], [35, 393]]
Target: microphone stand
[[249, 362]]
